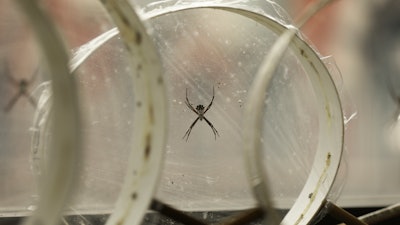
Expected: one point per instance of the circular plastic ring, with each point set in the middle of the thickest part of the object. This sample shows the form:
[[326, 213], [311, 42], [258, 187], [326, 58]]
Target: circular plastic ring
[[329, 150], [66, 142]]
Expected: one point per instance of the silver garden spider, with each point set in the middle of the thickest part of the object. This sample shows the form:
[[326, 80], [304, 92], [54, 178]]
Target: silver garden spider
[[200, 111]]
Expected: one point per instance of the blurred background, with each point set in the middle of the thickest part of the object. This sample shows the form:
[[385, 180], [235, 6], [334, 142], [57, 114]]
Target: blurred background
[[360, 35]]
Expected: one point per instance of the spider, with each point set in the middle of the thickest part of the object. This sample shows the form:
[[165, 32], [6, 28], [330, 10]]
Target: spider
[[200, 111], [22, 85]]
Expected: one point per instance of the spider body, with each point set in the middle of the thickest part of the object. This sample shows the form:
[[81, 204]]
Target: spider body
[[22, 85], [200, 111]]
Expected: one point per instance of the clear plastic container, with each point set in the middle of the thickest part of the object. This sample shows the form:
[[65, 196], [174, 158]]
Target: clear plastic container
[[203, 47]]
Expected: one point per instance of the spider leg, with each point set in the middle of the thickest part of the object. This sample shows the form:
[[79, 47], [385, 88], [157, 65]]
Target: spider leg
[[12, 102], [212, 127], [190, 129], [34, 75], [396, 100], [208, 107], [31, 99], [10, 78], [189, 105]]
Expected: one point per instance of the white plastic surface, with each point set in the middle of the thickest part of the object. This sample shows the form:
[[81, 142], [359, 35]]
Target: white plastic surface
[[150, 117]]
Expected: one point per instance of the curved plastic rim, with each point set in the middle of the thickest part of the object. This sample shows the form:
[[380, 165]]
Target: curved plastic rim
[[150, 117], [56, 185], [329, 151]]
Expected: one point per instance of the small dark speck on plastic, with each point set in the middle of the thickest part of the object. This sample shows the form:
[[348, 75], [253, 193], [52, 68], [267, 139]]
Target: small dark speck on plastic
[[147, 149], [134, 196], [138, 38]]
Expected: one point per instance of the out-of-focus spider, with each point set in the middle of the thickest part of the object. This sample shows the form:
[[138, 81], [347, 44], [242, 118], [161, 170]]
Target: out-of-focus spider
[[22, 85], [200, 111]]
